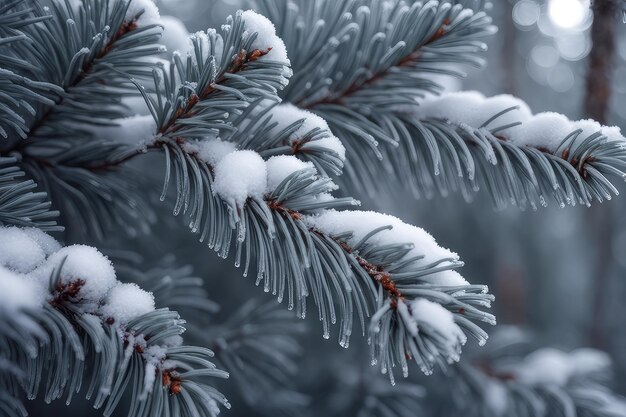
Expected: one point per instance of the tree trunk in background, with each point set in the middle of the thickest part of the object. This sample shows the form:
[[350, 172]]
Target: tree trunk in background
[[598, 87], [597, 100]]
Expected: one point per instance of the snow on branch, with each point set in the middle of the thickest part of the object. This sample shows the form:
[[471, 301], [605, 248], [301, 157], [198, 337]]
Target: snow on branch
[[498, 144], [546, 381], [91, 320]]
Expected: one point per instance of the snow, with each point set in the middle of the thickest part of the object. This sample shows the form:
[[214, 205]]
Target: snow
[[266, 36], [550, 366], [281, 166], [175, 35], [125, 302], [474, 109], [209, 150], [286, 114], [360, 223], [137, 130], [150, 15], [240, 175], [19, 252], [434, 316], [47, 243], [17, 293], [85, 263], [543, 130]]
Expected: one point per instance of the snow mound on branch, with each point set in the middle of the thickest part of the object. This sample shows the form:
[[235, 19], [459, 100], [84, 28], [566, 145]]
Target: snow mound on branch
[[266, 36], [281, 166], [149, 12], [210, 150], [84, 263], [545, 131], [239, 176], [17, 293], [550, 366], [287, 114], [20, 251], [175, 35], [360, 223], [125, 302]]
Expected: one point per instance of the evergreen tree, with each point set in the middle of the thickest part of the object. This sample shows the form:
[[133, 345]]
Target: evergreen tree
[[261, 131]]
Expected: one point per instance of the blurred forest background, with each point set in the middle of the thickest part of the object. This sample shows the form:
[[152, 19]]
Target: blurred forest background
[[559, 273]]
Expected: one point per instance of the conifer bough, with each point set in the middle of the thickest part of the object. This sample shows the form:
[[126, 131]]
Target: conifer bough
[[256, 125]]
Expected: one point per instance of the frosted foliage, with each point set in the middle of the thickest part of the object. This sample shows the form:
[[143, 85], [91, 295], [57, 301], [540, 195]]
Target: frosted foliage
[[210, 150], [150, 15], [281, 166], [266, 36], [175, 35], [203, 41], [19, 252], [430, 314], [84, 263], [555, 367], [125, 302], [240, 175], [16, 292], [286, 114], [360, 223]]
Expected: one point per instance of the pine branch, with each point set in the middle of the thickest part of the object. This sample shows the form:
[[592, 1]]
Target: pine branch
[[98, 46], [92, 321], [20, 205], [543, 382]]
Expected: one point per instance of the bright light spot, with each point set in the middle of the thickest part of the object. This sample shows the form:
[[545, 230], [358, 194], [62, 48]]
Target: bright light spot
[[526, 13], [568, 14]]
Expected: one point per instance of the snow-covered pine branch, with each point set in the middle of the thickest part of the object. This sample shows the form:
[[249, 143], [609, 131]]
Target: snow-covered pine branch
[[377, 57], [97, 46], [544, 381], [85, 318]]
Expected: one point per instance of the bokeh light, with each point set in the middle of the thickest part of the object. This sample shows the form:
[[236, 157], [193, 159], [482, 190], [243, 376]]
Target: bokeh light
[[568, 14]]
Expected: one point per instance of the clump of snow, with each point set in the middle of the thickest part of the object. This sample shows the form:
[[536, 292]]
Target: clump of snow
[[175, 35], [281, 166], [286, 114], [19, 251], [546, 130], [17, 293], [266, 36], [543, 130], [360, 223], [240, 175], [474, 109], [550, 366], [47, 243], [81, 262], [125, 302], [436, 317], [149, 12], [210, 150]]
